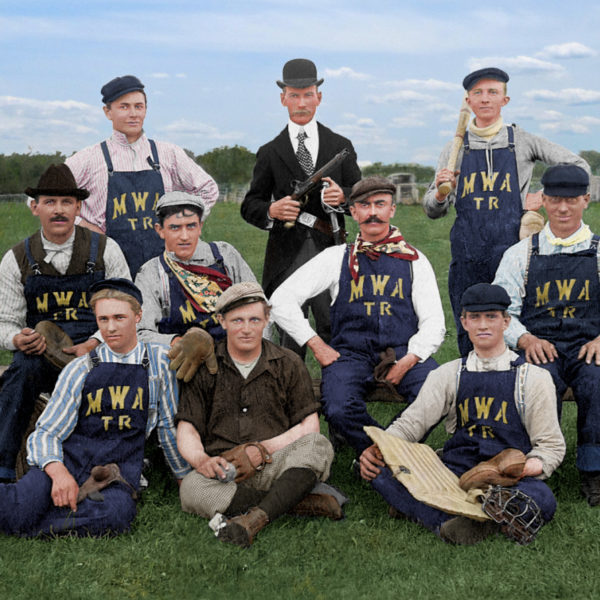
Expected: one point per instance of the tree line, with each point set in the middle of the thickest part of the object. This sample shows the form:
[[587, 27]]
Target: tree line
[[227, 164]]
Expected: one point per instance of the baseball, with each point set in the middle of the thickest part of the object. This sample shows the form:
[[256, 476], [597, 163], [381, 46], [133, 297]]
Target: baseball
[[230, 473]]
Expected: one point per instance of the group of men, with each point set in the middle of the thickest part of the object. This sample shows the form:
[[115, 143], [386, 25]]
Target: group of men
[[241, 433]]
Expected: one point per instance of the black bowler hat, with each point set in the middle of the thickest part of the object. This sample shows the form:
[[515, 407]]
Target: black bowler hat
[[566, 181], [488, 73], [117, 283], [57, 180], [299, 73], [119, 86], [484, 296]]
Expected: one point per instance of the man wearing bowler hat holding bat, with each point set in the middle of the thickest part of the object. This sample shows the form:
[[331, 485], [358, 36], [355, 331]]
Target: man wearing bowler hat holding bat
[[303, 147], [489, 186]]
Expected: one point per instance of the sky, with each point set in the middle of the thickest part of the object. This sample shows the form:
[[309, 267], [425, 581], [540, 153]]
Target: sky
[[392, 69]]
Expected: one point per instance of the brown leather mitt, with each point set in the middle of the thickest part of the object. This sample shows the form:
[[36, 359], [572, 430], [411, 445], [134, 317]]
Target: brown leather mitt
[[531, 222], [188, 353], [505, 469], [56, 340], [100, 477], [239, 458], [387, 360]]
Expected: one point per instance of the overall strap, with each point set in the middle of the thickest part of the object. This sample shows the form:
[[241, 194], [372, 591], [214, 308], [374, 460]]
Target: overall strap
[[35, 267], [153, 162], [107, 158], [94, 242], [511, 138]]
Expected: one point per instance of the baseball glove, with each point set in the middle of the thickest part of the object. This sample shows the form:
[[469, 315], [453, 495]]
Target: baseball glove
[[56, 340], [188, 353], [531, 222], [100, 477], [239, 458], [504, 469]]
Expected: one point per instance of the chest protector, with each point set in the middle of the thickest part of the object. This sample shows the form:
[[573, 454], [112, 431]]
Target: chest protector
[[562, 294], [130, 203], [487, 420], [488, 207], [112, 420], [376, 312]]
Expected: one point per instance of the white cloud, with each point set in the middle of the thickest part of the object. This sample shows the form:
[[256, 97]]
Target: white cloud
[[346, 72], [407, 96], [430, 85], [408, 121], [567, 50], [579, 125], [516, 64], [186, 129], [567, 95], [181, 75], [159, 75]]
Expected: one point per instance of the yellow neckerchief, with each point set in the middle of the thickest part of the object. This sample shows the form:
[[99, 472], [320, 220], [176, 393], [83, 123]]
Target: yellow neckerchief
[[199, 287], [487, 133], [581, 235]]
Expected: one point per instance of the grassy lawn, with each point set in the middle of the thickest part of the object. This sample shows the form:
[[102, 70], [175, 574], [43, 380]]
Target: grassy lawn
[[170, 554]]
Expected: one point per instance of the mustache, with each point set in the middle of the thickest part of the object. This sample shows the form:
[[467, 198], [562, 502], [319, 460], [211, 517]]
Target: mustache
[[372, 219], [301, 113], [58, 219]]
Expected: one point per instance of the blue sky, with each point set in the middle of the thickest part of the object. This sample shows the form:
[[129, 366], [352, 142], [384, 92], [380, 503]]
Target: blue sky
[[392, 69]]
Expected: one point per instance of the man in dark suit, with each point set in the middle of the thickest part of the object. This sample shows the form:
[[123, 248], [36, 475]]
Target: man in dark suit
[[301, 148]]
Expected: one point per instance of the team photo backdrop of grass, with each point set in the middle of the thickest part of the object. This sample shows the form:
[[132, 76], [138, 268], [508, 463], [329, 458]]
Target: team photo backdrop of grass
[[170, 554]]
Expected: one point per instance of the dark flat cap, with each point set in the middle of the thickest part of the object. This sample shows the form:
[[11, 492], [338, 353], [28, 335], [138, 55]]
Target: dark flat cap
[[488, 73], [57, 180], [119, 86], [484, 296], [245, 292], [566, 181], [117, 283], [376, 184], [299, 73]]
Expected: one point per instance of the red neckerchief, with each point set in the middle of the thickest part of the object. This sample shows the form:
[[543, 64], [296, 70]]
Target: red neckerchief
[[393, 244]]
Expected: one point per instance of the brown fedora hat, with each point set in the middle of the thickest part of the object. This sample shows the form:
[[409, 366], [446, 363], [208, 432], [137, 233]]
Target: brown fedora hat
[[57, 180]]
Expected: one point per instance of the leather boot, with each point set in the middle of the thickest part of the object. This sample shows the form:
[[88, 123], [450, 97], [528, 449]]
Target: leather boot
[[318, 505], [241, 530], [466, 532]]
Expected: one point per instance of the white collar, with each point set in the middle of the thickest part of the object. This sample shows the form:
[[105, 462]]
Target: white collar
[[120, 138], [311, 129], [52, 247]]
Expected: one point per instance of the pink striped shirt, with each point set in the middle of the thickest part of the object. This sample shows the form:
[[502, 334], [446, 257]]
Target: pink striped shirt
[[178, 171]]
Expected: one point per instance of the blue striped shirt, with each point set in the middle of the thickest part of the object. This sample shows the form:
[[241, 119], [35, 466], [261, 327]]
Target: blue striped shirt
[[59, 419]]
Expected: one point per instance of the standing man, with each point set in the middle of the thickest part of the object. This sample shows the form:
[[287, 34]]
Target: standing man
[[490, 194], [301, 148], [491, 400], [104, 406], [552, 281], [46, 278], [128, 173], [257, 415], [181, 287], [384, 298]]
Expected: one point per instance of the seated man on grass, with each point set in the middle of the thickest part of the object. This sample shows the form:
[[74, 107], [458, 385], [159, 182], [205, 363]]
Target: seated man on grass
[[251, 431], [491, 400], [91, 435]]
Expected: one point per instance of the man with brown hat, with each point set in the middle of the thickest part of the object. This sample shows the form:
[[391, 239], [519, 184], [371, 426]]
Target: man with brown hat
[[251, 430], [127, 174], [45, 279], [301, 148], [385, 300]]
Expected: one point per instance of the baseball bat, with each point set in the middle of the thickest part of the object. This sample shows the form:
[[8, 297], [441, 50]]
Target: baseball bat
[[463, 122]]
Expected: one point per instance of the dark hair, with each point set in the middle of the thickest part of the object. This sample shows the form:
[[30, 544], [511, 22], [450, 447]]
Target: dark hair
[[169, 211], [108, 104]]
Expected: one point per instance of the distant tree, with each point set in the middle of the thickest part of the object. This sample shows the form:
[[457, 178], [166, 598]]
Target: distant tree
[[422, 173], [228, 164], [593, 159], [18, 171]]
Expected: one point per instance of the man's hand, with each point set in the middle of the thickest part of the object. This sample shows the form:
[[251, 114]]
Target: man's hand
[[443, 176], [533, 467], [333, 195], [533, 201], [83, 348], [212, 467], [402, 366], [537, 351], [590, 351], [284, 209], [29, 341], [371, 462], [323, 352], [64, 487]]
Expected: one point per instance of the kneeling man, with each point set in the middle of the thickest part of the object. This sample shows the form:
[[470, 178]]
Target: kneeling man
[[491, 400], [256, 420]]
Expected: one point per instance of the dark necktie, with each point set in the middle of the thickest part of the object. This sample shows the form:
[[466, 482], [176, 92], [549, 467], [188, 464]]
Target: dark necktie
[[303, 155]]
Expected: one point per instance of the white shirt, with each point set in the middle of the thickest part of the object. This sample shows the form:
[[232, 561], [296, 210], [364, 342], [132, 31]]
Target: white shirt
[[312, 137]]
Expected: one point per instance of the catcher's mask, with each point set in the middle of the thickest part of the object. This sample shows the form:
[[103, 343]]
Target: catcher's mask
[[518, 515]]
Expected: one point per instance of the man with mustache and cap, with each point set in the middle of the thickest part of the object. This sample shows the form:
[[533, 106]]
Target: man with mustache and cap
[[127, 174], [45, 279], [490, 195], [303, 147], [385, 300], [87, 451]]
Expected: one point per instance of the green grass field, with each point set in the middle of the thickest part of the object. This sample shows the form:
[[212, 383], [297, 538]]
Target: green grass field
[[170, 554]]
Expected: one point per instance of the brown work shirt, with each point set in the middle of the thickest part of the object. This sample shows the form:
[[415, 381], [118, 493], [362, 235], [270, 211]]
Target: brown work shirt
[[228, 410]]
